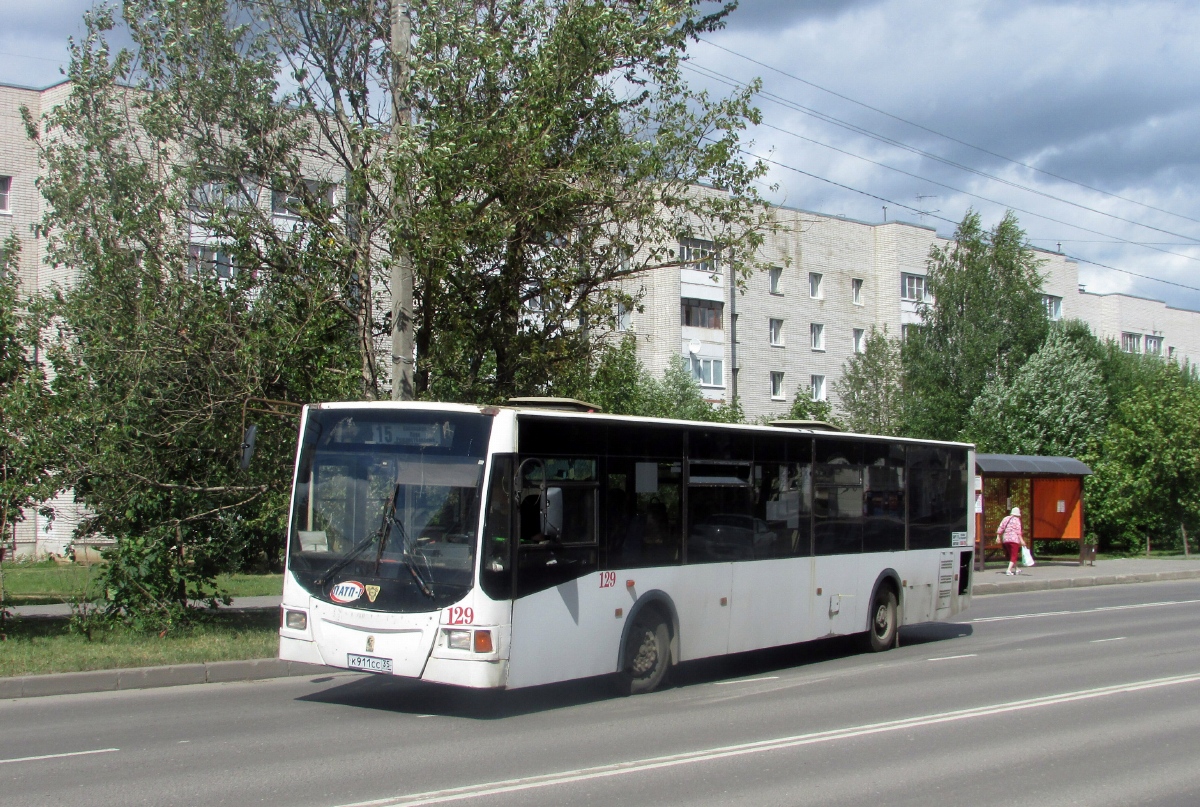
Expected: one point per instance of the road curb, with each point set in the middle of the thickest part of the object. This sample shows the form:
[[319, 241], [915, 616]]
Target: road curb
[[1033, 584], [214, 672]]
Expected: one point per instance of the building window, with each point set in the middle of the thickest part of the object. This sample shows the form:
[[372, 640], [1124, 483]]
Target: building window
[[1131, 342], [818, 387], [1170, 351], [912, 287], [906, 331], [208, 261], [814, 285], [709, 372], [777, 332], [292, 203], [5, 194], [1053, 307], [860, 340], [777, 386], [700, 313], [624, 317], [698, 255], [818, 336], [856, 290], [775, 273], [1153, 345]]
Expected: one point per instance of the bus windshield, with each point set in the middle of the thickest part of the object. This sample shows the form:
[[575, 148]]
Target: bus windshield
[[386, 507]]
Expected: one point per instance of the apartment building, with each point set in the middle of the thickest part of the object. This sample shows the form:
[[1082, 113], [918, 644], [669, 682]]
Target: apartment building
[[830, 280]]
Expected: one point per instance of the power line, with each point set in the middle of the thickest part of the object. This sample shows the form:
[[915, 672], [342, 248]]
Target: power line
[[1127, 272], [945, 136], [950, 221], [1144, 245], [710, 73]]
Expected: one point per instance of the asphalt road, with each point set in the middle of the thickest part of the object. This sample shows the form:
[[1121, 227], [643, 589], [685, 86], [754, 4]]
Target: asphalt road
[[1073, 697]]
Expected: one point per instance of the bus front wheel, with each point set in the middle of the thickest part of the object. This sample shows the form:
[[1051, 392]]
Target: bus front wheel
[[647, 654], [881, 634]]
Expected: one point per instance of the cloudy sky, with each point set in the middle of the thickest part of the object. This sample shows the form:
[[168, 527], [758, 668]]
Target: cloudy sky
[[1080, 115]]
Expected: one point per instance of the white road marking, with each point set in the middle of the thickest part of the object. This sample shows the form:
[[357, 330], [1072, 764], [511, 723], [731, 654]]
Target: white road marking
[[951, 658], [742, 749], [1113, 639], [60, 756], [745, 681], [1086, 611]]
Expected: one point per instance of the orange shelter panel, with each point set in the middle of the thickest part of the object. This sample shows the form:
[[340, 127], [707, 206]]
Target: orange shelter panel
[[1057, 512]]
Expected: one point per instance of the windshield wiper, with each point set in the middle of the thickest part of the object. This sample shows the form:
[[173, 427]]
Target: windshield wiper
[[379, 534], [392, 522], [388, 523], [345, 561]]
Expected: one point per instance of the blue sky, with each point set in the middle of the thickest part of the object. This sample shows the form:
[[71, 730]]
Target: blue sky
[[1082, 116]]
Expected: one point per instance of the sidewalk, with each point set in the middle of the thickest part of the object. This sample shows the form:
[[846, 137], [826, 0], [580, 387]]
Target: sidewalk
[[1069, 574]]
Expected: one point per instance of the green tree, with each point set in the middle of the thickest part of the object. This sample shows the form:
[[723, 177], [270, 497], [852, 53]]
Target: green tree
[[1147, 476], [805, 408], [545, 150], [25, 478], [556, 150], [870, 389], [982, 319], [155, 350], [1055, 405]]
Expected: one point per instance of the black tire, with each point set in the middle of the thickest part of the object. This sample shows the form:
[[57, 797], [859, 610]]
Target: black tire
[[881, 632], [647, 654]]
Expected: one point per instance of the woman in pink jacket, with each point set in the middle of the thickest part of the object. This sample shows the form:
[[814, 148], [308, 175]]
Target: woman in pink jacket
[[1009, 533]]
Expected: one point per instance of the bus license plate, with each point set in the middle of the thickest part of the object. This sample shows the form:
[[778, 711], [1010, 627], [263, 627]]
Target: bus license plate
[[369, 663]]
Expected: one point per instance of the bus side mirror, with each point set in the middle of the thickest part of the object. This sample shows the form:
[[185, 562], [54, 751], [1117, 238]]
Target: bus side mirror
[[552, 515], [248, 444]]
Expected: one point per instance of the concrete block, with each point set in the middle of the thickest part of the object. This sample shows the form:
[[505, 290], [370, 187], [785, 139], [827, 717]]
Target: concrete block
[[69, 683], [1076, 582], [1182, 574], [1052, 584], [11, 688], [1106, 580], [150, 677], [255, 669]]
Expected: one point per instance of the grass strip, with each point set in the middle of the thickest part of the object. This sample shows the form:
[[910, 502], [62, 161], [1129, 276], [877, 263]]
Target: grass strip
[[44, 583], [35, 646]]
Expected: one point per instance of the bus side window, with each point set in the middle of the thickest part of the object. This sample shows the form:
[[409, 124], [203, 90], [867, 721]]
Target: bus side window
[[496, 572], [557, 516]]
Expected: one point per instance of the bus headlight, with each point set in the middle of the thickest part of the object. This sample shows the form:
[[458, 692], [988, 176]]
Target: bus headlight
[[295, 620], [458, 639]]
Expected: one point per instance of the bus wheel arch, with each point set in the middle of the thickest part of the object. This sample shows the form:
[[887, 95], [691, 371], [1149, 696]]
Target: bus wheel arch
[[883, 616], [649, 643]]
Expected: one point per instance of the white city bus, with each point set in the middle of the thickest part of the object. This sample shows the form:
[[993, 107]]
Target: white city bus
[[514, 546]]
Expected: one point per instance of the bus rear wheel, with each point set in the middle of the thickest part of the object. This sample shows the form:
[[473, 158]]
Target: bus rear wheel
[[647, 654], [881, 634]]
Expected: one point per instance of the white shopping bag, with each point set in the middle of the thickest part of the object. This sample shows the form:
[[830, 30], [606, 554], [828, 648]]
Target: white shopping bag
[[1026, 556]]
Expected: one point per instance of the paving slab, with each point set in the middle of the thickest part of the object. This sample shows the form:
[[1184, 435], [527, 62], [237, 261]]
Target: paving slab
[[1060, 574]]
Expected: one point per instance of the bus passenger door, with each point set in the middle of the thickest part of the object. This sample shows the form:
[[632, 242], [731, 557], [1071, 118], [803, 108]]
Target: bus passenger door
[[555, 617]]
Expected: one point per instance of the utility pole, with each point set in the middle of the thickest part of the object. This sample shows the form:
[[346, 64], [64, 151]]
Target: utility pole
[[402, 271]]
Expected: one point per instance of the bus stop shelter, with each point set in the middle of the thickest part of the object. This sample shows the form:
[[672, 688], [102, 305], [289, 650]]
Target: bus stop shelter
[[1049, 491]]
